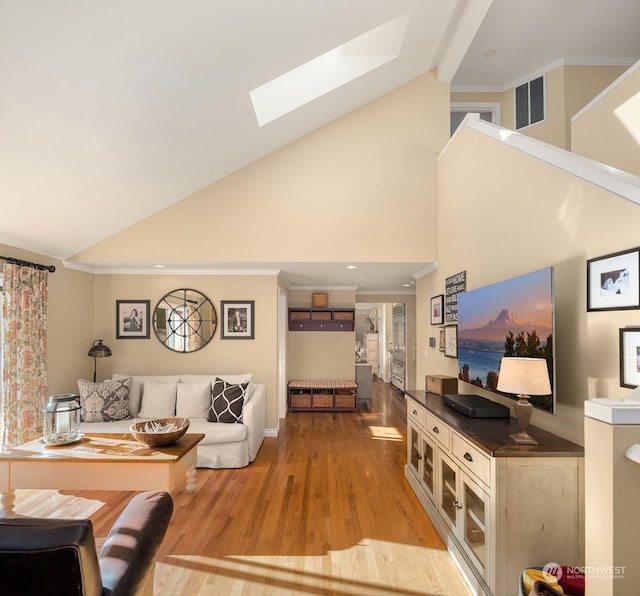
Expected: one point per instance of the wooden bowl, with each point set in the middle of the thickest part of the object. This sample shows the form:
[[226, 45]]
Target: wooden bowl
[[143, 431]]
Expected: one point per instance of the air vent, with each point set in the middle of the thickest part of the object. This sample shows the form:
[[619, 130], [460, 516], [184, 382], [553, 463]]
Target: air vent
[[530, 104]]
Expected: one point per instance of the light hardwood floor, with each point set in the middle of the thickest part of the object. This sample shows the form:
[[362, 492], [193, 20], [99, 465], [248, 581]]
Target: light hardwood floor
[[324, 509]]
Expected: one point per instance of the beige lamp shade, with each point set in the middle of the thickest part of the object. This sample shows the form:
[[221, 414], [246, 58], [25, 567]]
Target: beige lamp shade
[[524, 376]]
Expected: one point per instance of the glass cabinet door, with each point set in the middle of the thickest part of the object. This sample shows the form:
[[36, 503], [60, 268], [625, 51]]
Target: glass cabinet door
[[474, 510], [448, 492], [428, 467], [414, 449]]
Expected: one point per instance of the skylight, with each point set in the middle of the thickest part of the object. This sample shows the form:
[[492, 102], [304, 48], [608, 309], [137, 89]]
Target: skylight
[[329, 71]]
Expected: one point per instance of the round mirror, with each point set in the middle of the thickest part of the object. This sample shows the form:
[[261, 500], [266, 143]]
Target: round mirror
[[184, 320]]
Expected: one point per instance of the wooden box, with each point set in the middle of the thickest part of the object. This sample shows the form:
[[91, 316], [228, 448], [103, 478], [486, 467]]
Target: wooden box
[[322, 400], [441, 384], [300, 400], [345, 399]]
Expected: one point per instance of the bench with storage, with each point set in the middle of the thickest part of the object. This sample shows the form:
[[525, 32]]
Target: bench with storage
[[319, 395]]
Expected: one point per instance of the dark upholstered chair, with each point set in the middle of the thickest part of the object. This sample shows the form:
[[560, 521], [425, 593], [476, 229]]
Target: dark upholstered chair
[[59, 557]]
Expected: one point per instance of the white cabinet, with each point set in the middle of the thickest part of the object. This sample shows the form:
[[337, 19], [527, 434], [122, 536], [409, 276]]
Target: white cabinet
[[371, 351], [498, 506]]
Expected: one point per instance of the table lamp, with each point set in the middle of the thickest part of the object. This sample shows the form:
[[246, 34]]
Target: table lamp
[[524, 377], [98, 350]]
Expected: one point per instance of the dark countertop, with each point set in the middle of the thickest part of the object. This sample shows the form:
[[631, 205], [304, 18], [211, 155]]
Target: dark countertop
[[492, 435]]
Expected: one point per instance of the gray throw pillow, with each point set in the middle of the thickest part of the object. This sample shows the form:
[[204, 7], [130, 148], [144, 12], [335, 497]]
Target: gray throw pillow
[[104, 402]]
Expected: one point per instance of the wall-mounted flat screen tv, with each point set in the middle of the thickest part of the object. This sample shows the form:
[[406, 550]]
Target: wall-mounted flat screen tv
[[510, 318]]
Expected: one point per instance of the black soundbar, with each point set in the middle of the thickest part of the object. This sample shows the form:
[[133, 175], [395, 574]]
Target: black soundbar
[[475, 406]]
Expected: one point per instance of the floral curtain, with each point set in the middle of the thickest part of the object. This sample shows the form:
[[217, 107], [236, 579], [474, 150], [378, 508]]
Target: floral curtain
[[24, 370]]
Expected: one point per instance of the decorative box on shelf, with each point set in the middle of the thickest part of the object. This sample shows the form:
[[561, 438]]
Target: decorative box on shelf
[[441, 384]]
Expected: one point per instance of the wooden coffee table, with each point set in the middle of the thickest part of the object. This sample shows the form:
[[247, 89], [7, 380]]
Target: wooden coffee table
[[97, 462]]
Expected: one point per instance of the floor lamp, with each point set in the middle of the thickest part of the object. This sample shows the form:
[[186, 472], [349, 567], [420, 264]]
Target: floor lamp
[[98, 350]]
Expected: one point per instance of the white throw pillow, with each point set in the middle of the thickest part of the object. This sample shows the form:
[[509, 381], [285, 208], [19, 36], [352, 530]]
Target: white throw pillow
[[158, 400], [194, 400], [135, 392]]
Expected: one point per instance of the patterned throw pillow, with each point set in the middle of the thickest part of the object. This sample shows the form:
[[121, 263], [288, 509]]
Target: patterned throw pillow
[[104, 402], [227, 401]]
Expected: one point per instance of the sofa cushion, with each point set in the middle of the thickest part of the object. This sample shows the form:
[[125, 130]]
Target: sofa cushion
[[137, 386], [158, 400], [194, 400], [104, 402], [217, 433], [236, 379], [227, 401]]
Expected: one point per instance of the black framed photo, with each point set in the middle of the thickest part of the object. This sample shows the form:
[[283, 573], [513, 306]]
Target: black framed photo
[[451, 341], [441, 344], [437, 315], [630, 357], [132, 319], [237, 319], [613, 281]]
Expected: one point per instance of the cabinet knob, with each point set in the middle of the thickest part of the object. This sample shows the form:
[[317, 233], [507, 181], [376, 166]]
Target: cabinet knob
[[457, 504], [436, 430], [415, 412], [467, 456]]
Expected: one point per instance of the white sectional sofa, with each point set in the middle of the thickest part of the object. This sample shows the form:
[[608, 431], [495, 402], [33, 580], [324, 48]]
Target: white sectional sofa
[[225, 445]]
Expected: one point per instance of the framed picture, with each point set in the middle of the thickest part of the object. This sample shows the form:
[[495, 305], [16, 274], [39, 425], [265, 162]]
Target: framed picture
[[436, 310], [613, 281], [451, 341], [132, 319], [237, 319], [630, 357], [441, 345]]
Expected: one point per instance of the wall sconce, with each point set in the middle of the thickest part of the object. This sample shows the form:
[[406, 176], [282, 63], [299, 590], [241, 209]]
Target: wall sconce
[[98, 350], [524, 377]]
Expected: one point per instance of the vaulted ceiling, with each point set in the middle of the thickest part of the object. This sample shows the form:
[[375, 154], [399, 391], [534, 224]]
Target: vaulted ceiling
[[111, 111]]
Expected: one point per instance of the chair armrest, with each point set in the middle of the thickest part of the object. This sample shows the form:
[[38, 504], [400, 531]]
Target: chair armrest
[[129, 552]]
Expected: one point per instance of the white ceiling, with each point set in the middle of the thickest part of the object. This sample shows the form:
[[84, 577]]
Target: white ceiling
[[111, 111]]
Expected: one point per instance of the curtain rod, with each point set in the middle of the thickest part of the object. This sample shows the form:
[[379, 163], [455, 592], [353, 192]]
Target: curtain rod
[[49, 268]]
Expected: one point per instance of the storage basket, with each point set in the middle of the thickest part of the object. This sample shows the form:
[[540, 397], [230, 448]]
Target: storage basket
[[300, 400], [343, 315], [321, 316], [345, 400], [322, 400], [320, 299]]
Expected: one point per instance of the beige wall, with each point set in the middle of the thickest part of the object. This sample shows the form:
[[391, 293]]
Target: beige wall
[[569, 89], [69, 322], [314, 199], [503, 214], [609, 130]]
